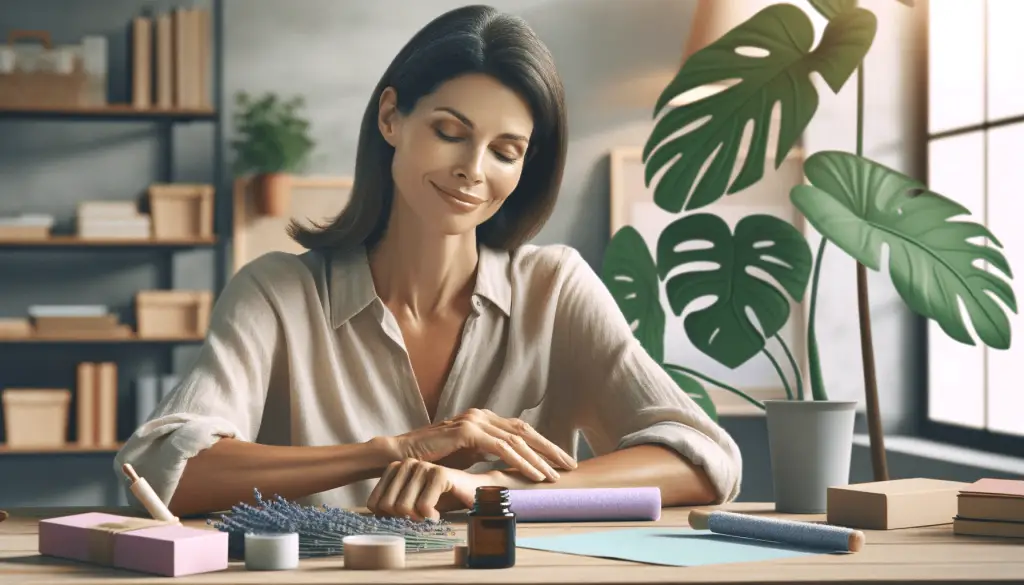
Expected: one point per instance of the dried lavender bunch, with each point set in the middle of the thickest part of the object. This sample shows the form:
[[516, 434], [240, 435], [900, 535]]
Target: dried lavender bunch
[[321, 529]]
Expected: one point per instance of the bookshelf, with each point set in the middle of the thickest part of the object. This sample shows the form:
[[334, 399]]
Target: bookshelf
[[111, 112], [75, 242], [26, 361], [68, 449]]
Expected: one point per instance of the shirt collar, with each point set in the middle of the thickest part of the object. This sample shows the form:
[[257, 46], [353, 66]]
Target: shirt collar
[[352, 290]]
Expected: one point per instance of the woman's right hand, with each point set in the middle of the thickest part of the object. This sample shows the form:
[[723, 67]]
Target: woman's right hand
[[481, 433]]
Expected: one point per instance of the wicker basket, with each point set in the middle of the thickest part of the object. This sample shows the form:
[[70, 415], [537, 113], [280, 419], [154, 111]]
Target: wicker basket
[[45, 88]]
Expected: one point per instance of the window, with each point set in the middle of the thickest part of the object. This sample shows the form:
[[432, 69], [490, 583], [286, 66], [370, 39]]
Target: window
[[975, 395]]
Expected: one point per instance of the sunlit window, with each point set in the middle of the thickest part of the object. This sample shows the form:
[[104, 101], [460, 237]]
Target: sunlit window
[[976, 156]]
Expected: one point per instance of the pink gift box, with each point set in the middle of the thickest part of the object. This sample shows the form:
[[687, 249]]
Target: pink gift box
[[169, 550]]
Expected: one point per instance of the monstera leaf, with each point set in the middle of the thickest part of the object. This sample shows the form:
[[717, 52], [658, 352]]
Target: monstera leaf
[[860, 205], [782, 76], [723, 330], [629, 273], [696, 391]]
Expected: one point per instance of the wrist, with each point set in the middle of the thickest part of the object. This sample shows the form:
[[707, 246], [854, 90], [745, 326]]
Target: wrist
[[384, 449]]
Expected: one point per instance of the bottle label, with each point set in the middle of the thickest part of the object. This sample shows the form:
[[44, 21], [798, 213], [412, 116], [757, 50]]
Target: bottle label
[[491, 537]]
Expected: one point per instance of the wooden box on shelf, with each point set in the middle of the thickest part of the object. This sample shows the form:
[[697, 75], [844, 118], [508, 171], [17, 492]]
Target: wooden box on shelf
[[36, 417], [49, 77], [181, 211], [173, 314]]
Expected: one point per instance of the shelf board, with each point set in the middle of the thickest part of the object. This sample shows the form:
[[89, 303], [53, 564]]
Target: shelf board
[[101, 340], [69, 242], [69, 448], [109, 112]]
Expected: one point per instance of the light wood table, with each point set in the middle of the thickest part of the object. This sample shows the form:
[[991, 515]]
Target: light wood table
[[919, 555]]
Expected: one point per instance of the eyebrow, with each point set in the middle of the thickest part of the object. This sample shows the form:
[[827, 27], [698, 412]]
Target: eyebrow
[[462, 118]]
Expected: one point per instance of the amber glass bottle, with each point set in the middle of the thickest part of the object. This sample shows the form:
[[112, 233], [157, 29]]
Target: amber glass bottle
[[491, 530]]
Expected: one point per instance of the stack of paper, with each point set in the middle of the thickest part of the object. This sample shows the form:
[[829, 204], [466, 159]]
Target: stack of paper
[[77, 322], [27, 226], [112, 220]]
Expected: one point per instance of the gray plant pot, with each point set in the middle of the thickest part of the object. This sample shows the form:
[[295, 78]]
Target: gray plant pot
[[811, 443]]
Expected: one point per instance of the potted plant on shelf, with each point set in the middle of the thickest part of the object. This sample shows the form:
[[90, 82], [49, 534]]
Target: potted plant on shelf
[[856, 204], [273, 142]]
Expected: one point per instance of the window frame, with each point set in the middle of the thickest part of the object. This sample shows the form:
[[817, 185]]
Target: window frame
[[983, 439]]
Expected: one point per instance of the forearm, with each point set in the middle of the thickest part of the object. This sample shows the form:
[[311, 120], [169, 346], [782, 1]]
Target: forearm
[[681, 482], [226, 474]]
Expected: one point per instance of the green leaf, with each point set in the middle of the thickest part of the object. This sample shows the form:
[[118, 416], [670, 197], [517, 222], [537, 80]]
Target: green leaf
[[909, 3], [629, 273], [859, 205], [783, 76], [723, 330], [694, 390], [832, 8]]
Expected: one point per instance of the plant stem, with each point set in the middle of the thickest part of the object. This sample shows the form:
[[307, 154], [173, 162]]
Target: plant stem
[[778, 370], [878, 463], [813, 358], [710, 380], [796, 369]]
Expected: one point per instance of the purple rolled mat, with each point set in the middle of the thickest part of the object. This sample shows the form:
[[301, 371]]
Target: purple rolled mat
[[586, 504]]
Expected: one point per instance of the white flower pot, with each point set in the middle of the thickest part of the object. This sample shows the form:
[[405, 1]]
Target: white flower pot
[[811, 443]]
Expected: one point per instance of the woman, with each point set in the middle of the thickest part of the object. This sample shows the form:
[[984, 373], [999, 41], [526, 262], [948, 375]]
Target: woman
[[419, 348]]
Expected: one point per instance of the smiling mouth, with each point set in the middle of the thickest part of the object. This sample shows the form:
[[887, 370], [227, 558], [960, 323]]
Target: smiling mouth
[[459, 197]]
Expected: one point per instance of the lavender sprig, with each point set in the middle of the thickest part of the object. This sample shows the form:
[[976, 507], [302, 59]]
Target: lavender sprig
[[321, 529]]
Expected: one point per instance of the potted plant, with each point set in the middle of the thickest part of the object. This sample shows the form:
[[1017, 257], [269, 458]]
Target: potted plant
[[856, 204], [273, 142]]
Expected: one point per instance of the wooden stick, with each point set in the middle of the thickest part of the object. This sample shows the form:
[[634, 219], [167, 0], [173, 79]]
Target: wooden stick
[[130, 472]]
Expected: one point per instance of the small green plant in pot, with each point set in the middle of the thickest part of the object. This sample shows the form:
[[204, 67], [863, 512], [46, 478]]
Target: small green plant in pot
[[272, 143], [856, 204]]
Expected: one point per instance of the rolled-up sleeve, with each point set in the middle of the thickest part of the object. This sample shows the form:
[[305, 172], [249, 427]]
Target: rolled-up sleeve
[[622, 396], [222, 395]]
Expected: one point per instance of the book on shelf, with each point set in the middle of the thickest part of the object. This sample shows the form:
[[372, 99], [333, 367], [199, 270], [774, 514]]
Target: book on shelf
[[991, 507], [171, 57], [96, 404]]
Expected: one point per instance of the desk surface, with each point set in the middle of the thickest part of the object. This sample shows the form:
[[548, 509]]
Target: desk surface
[[916, 555]]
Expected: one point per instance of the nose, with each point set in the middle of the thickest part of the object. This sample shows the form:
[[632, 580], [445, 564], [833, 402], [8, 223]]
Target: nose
[[470, 168]]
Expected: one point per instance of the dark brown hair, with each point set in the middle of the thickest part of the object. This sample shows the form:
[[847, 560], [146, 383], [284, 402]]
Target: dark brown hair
[[472, 39]]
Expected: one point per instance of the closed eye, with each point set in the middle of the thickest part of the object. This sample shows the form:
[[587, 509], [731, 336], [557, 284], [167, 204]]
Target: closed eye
[[503, 158]]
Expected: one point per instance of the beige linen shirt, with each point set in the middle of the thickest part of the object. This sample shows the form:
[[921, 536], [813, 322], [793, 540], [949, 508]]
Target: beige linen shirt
[[301, 351]]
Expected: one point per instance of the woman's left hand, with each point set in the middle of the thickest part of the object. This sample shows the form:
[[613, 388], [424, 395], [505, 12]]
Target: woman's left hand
[[420, 489]]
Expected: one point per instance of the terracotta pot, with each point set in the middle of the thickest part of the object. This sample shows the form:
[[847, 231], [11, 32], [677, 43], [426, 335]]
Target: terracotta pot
[[273, 194]]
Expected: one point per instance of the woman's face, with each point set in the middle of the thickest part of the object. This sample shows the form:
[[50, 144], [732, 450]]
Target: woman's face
[[459, 153]]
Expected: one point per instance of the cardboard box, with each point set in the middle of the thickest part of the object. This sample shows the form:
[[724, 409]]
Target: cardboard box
[[137, 544], [173, 314], [898, 503]]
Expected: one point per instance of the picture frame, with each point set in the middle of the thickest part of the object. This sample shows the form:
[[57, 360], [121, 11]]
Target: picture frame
[[632, 203]]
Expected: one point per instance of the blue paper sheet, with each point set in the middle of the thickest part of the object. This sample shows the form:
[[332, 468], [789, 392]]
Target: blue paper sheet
[[681, 547]]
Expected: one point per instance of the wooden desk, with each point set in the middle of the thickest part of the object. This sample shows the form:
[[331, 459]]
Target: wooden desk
[[922, 555]]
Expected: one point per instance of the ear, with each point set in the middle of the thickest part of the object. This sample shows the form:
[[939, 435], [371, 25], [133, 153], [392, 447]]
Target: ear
[[387, 115]]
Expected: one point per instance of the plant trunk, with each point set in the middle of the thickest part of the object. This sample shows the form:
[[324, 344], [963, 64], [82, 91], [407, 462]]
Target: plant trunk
[[867, 351]]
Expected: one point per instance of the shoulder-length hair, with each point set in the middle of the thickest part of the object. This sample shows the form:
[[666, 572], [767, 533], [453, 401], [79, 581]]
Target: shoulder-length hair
[[472, 39]]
